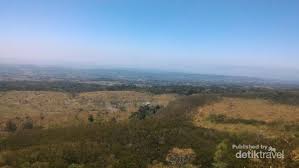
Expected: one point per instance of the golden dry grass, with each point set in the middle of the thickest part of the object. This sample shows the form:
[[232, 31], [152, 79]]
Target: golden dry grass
[[241, 108], [51, 109]]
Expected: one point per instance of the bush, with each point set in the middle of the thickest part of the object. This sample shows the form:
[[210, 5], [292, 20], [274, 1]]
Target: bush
[[217, 118], [76, 166], [180, 157], [40, 165], [90, 118], [145, 111], [10, 126], [221, 118], [27, 124], [222, 155]]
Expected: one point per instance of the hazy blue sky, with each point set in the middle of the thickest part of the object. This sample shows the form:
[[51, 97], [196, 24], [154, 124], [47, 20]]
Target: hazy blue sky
[[238, 37]]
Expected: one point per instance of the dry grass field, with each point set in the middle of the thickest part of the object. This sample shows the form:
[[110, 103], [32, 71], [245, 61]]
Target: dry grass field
[[166, 140], [247, 115], [54, 109]]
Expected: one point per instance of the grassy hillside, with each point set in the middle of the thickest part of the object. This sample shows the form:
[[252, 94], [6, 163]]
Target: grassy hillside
[[171, 138], [55, 109], [250, 115]]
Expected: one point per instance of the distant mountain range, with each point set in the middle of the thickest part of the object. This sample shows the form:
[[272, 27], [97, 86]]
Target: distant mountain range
[[123, 75]]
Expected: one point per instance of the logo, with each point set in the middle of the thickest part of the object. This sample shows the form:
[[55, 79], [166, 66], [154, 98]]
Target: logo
[[257, 152]]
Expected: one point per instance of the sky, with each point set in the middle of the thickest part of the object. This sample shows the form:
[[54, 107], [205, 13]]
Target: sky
[[229, 37]]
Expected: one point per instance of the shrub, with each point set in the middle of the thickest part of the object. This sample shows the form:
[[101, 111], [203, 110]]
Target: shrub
[[76, 166], [180, 157], [40, 165], [90, 118], [221, 118], [10, 126], [217, 118], [221, 154], [27, 124], [145, 111]]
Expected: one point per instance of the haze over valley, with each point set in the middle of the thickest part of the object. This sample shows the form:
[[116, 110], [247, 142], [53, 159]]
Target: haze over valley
[[149, 84]]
